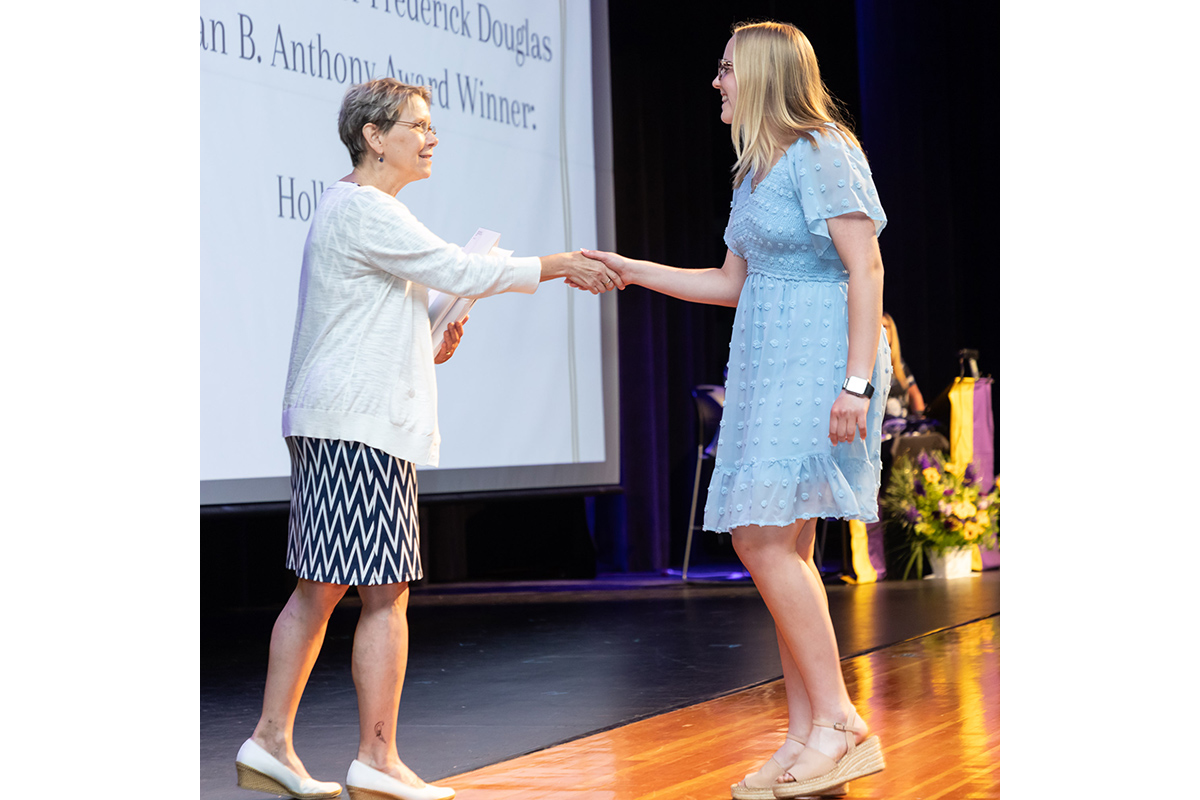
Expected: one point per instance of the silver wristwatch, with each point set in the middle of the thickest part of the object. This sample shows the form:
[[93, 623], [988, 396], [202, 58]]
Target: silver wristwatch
[[859, 387]]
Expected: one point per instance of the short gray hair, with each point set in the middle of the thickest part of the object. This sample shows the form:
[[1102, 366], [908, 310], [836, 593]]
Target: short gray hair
[[380, 101]]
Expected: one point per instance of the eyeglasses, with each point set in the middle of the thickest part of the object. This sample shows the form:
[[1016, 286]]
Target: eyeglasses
[[424, 127], [724, 67]]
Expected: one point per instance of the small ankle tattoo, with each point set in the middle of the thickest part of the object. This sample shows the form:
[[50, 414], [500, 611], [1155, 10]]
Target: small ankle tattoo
[[379, 732]]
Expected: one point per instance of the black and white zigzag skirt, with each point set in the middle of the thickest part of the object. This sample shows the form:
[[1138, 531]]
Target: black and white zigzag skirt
[[353, 518]]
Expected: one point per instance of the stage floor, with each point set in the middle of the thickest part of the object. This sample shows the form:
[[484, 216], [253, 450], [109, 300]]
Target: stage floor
[[944, 744], [501, 671]]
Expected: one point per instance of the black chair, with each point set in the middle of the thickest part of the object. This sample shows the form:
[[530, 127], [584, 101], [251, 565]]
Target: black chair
[[709, 401]]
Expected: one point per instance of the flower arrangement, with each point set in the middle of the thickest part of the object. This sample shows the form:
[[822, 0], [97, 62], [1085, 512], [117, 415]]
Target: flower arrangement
[[940, 504]]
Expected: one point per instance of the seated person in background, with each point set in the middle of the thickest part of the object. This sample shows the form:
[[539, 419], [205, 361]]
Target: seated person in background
[[904, 398]]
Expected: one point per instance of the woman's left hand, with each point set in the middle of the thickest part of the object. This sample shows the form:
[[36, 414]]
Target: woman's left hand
[[848, 417], [450, 341], [915, 401]]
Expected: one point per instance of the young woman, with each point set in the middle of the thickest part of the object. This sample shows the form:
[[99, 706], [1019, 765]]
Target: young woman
[[905, 398], [809, 372]]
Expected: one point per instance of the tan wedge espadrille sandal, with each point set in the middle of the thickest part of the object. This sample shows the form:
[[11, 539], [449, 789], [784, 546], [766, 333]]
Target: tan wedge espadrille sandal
[[749, 788], [820, 772]]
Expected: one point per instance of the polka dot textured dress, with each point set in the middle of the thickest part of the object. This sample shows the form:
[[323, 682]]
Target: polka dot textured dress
[[787, 355]]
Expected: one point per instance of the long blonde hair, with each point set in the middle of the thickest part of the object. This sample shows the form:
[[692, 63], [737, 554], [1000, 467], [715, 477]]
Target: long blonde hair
[[780, 95], [894, 341]]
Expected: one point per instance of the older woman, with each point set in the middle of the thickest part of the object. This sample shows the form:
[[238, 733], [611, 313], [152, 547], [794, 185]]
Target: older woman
[[359, 413], [808, 374]]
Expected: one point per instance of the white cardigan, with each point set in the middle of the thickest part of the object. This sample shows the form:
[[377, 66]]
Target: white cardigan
[[362, 359]]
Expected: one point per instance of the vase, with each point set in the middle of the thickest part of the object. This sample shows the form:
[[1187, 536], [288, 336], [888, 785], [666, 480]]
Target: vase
[[954, 563]]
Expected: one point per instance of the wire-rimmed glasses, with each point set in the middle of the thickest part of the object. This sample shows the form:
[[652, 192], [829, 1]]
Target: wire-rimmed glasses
[[424, 127]]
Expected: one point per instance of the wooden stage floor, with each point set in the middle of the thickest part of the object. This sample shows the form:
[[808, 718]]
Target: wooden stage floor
[[628, 688], [934, 701]]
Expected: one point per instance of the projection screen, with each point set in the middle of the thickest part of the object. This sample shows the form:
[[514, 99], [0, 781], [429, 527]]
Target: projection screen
[[521, 106]]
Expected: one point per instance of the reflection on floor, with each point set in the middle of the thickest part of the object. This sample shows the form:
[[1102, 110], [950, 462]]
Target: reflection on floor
[[497, 672], [934, 702]]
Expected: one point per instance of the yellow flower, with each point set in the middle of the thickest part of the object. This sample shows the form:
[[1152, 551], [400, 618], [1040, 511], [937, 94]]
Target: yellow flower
[[957, 470], [965, 510], [931, 475], [982, 518], [972, 531]]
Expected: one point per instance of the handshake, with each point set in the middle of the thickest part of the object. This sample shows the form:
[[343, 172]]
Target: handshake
[[592, 270]]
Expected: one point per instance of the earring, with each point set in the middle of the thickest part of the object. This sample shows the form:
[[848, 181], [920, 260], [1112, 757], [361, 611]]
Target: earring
[[381, 159]]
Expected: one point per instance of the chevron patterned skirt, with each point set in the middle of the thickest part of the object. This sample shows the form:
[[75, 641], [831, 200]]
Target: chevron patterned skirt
[[353, 518]]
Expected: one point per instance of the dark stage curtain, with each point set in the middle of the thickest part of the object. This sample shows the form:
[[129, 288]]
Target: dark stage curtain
[[920, 82], [930, 82]]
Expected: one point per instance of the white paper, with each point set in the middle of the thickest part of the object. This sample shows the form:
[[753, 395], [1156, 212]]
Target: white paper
[[456, 310], [482, 242], [445, 309]]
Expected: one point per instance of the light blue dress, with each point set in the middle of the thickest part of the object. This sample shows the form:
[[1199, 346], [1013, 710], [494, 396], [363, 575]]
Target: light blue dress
[[787, 354]]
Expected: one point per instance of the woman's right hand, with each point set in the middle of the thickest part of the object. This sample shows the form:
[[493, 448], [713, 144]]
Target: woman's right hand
[[581, 272], [719, 285], [616, 263]]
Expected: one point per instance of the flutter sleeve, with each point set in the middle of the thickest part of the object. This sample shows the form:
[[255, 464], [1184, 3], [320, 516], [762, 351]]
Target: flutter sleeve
[[832, 179]]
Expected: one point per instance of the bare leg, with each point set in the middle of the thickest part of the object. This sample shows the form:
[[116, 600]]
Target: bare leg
[[295, 642], [795, 596], [379, 663], [799, 709]]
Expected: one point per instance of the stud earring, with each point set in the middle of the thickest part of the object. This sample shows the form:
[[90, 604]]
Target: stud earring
[[381, 159]]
